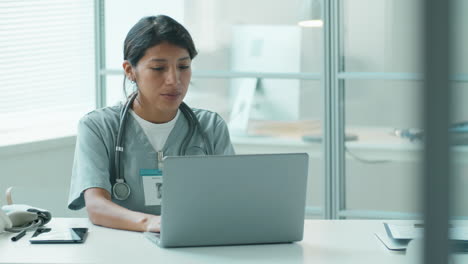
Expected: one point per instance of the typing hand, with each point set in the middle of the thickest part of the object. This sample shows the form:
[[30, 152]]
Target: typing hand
[[153, 224]]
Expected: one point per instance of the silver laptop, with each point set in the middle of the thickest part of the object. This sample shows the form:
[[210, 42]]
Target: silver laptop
[[232, 200]]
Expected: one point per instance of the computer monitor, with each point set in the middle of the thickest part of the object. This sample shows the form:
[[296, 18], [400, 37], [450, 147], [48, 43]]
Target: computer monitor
[[264, 49]]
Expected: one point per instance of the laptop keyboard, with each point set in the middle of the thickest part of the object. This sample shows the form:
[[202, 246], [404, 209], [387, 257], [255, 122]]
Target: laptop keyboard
[[152, 236]]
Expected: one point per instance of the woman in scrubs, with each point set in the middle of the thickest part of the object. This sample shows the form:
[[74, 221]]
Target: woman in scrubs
[[158, 53]]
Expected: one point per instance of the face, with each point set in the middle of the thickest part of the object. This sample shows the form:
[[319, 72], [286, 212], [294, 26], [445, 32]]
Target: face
[[162, 75]]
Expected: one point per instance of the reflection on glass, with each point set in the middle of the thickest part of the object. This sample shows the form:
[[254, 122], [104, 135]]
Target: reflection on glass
[[383, 163], [216, 40], [382, 36]]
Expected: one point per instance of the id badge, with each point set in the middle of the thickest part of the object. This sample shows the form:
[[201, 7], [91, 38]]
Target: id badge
[[152, 186]]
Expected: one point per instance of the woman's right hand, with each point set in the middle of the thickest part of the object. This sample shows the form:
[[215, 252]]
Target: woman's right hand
[[102, 211]]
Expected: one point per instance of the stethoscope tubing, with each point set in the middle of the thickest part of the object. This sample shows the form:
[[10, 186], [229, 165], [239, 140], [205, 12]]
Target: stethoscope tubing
[[193, 122]]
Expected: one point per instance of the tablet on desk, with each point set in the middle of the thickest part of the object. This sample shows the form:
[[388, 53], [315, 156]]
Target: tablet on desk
[[59, 236]]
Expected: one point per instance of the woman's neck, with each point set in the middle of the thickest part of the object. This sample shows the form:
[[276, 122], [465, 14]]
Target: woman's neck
[[152, 114]]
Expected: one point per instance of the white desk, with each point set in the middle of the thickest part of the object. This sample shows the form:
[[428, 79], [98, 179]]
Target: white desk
[[325, 241], [373, 143]]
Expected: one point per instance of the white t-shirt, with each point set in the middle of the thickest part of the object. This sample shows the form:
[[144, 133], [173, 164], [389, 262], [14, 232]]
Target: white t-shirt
[[157, 133]]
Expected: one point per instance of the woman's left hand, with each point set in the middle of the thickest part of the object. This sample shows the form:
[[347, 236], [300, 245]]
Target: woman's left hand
[[153, 223]]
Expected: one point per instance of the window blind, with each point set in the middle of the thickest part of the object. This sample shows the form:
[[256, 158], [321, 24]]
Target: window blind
[[47, 75]]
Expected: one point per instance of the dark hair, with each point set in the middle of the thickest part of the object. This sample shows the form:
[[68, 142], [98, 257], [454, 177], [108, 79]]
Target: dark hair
[[151, 31]]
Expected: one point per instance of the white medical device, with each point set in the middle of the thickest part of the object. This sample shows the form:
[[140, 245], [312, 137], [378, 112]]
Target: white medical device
[[19, 217]]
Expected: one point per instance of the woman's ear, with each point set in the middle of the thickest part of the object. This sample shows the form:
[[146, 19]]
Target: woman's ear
[[128, 69]]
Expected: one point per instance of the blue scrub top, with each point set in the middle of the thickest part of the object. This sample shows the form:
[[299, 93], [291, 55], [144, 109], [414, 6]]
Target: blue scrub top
[[95, 149]]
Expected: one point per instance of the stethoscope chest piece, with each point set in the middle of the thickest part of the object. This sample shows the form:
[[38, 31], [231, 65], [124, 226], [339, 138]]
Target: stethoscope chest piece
[[121, 190]]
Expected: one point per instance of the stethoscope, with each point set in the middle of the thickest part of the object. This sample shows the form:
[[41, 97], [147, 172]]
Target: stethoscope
[[121, 189]]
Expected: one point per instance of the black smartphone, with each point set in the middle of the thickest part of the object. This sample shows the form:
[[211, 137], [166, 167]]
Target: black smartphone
[[59, 236]]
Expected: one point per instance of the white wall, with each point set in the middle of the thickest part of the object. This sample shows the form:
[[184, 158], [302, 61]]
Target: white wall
[[40, 173]]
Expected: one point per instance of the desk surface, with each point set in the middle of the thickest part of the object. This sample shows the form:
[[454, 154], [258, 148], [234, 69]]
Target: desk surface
[[373, 143], [325, 241]]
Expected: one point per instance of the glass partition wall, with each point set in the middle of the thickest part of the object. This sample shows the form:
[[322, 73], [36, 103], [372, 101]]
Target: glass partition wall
[[379, 73], [373, 108], [459, 108], [459, 118], [358, 79]]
